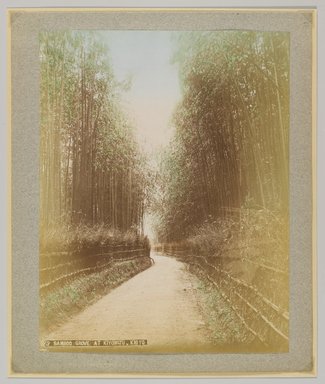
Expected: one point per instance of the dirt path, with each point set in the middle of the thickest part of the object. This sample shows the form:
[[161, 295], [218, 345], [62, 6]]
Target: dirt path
[[158, 305]]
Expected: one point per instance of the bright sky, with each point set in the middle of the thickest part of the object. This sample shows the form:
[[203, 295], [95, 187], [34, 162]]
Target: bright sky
[[144, 56]]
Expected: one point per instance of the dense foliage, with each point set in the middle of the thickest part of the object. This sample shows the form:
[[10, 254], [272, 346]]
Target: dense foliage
[[230, 148], [92, 171]]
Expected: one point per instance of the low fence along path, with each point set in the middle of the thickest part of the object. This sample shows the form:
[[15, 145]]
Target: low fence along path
[[158, 305]]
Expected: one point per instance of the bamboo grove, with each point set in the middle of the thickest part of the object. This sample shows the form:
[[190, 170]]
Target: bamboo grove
[[92, 171], [230, 150]]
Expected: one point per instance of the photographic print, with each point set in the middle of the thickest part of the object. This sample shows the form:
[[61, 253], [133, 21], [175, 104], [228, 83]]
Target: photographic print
[[164, 191]]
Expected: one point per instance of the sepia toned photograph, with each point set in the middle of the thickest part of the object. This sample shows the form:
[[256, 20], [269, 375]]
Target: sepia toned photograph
[[162, 202], [164, 191]]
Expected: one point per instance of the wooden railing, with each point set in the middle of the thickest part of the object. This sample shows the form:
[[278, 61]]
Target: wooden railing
[[57, 268], [259, 299]]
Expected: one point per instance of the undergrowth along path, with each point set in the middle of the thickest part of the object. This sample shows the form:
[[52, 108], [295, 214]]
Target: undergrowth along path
[[158, 305]]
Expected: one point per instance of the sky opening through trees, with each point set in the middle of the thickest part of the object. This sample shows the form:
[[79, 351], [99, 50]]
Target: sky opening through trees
[[142, 62]]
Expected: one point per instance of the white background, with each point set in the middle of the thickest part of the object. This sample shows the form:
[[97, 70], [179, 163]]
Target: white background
[[4, 167]]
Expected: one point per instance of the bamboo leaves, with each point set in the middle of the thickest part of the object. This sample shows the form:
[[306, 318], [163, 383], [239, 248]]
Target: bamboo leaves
[[231, 142], [91, 170]]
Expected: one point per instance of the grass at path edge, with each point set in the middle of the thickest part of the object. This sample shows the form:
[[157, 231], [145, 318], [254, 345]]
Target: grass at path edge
[[58, 306]]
